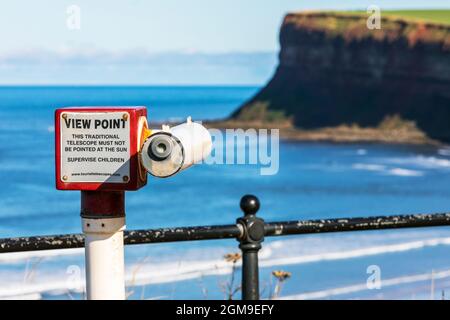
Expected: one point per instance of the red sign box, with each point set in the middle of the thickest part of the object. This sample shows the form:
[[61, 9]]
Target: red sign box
[[97, 148]]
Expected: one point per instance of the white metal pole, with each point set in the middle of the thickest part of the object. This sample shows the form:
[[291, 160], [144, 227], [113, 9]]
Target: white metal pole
[[104, 252]]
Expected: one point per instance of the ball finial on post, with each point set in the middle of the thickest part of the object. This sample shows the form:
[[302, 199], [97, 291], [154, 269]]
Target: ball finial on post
[[250, 242], [249, 204]]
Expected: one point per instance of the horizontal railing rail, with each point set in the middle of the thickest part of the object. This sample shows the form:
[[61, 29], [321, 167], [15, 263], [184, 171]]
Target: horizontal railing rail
[[249, 230], [271, 229]]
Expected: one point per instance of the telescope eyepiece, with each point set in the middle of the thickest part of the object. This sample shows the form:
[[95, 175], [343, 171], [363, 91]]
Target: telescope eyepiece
[[160, 148]]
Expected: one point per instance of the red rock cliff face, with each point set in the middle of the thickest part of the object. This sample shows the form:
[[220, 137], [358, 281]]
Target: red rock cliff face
[[334, 70]]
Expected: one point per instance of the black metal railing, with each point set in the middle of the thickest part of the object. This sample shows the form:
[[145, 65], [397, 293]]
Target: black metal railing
[[249, 230]]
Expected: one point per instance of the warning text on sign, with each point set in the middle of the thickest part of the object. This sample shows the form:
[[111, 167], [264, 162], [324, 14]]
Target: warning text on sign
[[95, 147]]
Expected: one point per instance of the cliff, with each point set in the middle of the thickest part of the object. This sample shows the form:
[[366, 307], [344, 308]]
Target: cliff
[[333, 70]]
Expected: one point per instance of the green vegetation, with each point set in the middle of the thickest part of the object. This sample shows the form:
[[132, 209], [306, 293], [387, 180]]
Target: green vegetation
[[352, 25], [260, 112], [439, 16], [396, 122]]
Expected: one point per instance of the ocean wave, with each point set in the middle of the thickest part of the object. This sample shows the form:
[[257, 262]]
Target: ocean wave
[[361, 152], [191, 270], [322, 294], [368, 167], [444, 152], [357, 253], [402, 172], [420, 161], [21, 256], [32, 296], [33, 289], [405, 172]]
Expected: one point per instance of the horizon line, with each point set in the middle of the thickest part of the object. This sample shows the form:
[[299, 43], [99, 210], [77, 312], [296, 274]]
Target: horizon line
[[130, 85]]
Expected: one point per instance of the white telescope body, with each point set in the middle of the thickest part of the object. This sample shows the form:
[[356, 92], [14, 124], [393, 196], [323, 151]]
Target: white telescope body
[[170, 150]]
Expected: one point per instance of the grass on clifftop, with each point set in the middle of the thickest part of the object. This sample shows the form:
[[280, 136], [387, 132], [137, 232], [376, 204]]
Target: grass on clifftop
[[439, 16], [352, 25]]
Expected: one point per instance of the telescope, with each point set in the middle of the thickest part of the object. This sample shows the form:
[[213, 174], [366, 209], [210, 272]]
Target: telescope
[[171, 150]]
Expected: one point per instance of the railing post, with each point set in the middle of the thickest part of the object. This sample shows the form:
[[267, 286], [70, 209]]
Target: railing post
[[250, 243], [103, 221]]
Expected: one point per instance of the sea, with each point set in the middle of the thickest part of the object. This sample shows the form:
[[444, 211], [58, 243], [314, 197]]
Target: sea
[[313, 181]]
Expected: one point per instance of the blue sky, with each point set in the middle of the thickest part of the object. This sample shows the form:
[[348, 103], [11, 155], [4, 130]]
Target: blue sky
[[126, 41]]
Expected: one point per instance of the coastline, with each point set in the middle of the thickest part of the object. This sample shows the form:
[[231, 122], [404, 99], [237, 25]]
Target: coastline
[[338, 134], [404, 133]]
